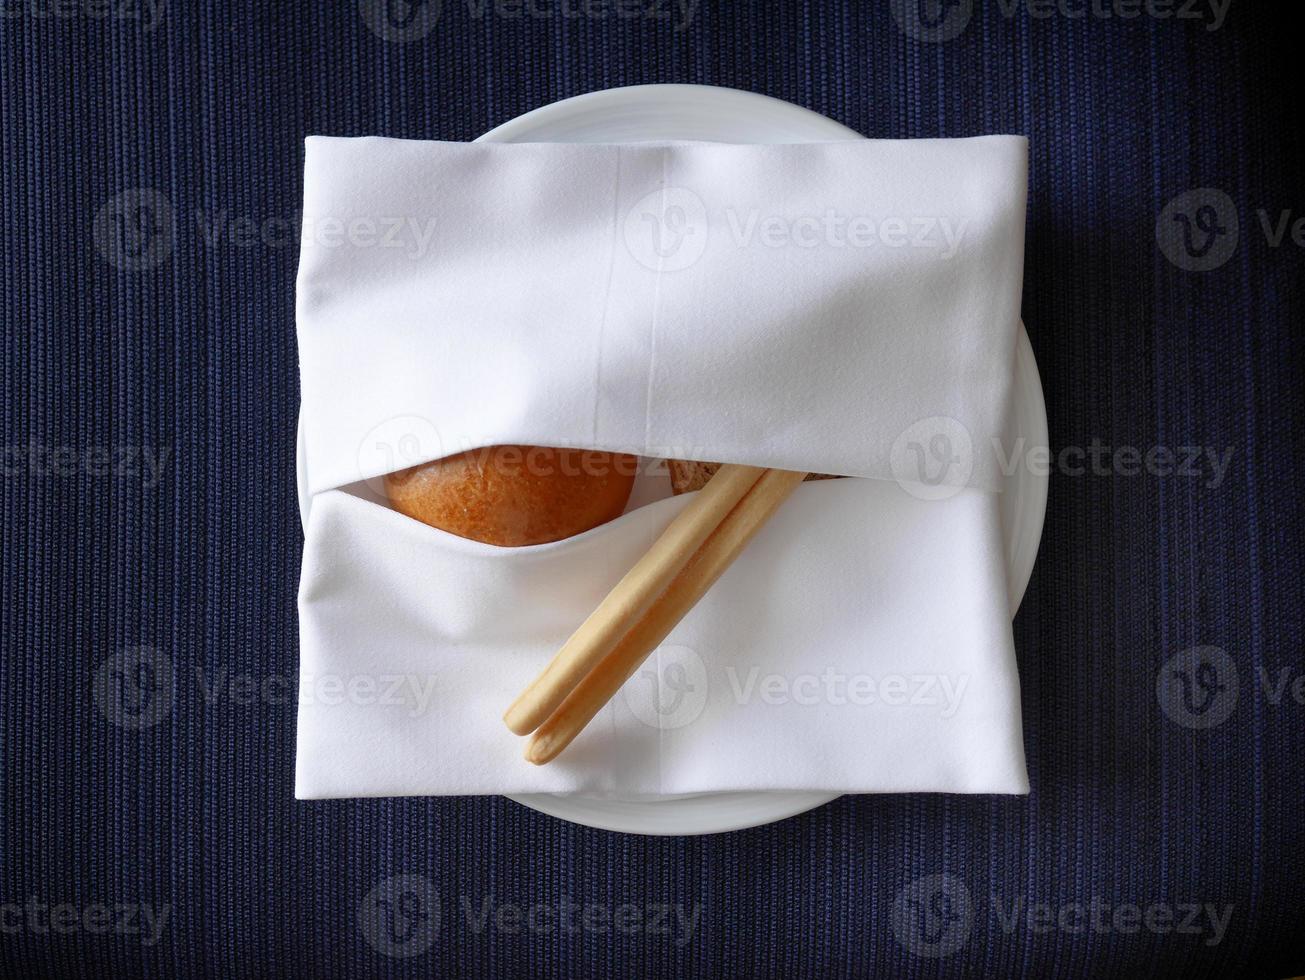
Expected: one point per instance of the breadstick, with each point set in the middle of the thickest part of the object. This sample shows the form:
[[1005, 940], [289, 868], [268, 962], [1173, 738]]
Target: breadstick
[[631, 596], [697, 576]]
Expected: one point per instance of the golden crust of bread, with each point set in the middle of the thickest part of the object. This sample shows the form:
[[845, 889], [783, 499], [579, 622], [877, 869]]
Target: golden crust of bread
[[515, 495]]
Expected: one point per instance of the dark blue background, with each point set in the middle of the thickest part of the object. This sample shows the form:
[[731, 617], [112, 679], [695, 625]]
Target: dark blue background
[[197, 354]]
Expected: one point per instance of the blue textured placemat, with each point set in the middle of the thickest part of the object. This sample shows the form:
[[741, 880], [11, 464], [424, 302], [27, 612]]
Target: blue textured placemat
[[151, 179]]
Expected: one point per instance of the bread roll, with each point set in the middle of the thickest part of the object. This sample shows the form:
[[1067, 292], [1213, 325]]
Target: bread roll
[[515, 495]]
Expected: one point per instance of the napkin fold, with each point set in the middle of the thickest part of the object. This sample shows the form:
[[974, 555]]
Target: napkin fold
[[845, 308], [798, 306]]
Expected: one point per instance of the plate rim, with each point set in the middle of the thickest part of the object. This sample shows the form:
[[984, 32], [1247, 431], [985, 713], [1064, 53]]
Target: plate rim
[[711, 813]]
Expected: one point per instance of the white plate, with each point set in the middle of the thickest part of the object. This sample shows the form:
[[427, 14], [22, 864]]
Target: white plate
[[700, 112]]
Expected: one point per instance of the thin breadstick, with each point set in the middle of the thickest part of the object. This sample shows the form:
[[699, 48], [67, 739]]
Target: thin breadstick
[[702, 571], [630, 597]]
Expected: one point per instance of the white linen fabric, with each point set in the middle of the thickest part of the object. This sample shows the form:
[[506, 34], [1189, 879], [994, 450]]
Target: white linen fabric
[[846, 308]]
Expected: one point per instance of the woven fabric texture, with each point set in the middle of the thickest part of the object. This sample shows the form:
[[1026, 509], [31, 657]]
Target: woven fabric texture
[[152, 168]]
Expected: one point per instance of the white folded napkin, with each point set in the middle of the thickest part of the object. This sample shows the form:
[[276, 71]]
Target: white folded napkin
[[844, 308]]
